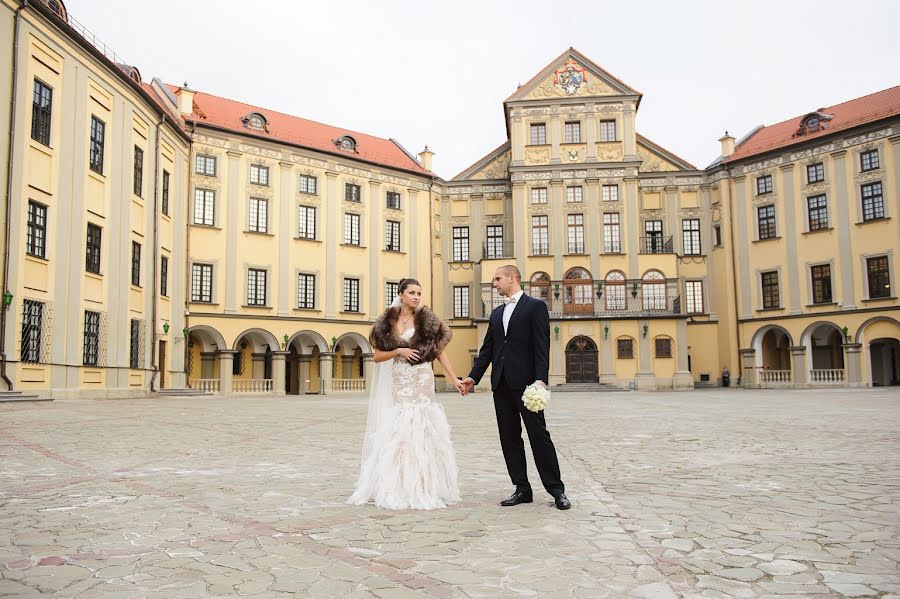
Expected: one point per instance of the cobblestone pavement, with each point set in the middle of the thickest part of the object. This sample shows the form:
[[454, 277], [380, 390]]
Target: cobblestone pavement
[[705, 494]]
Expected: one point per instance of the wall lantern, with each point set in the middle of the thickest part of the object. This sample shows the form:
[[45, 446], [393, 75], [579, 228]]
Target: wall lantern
[[7, 299], [645, 329], [556, 331], [606, 331], [166, 328]]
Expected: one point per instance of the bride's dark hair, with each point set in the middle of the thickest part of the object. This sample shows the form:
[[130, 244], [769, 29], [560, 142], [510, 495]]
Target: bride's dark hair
[[404, 283]]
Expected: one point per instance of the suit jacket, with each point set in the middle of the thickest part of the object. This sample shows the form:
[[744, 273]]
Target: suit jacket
[[521, 356]]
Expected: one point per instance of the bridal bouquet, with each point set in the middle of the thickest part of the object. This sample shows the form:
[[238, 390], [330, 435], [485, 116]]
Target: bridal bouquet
[[536, 397]]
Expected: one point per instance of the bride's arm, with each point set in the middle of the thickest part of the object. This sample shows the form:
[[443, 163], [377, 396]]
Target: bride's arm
[[406, 353], [448, 369]]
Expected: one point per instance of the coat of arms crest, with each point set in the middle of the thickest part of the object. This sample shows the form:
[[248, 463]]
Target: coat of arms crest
[[570, 77]]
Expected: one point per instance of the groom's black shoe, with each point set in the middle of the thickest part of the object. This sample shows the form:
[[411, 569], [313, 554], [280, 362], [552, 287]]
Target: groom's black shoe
[[517, 498], [562, 502]]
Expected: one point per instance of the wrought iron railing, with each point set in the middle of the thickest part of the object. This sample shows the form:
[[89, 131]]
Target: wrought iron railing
[[656, 244], [495, 249]]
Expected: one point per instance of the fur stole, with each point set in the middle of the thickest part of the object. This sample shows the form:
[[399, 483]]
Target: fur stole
[[430, 338]]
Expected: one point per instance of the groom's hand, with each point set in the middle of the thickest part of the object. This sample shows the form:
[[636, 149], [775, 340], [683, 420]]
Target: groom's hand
[[469, 384], [460, 387]]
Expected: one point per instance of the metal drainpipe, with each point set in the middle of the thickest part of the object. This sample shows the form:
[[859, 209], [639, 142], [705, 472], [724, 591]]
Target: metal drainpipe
[[8, 207], [155, 292]]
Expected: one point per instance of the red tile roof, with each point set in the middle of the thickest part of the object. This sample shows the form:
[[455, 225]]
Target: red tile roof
[[846, 115], [228, 114]]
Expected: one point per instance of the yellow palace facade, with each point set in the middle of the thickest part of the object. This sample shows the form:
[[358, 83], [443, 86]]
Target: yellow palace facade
[[158, 237]]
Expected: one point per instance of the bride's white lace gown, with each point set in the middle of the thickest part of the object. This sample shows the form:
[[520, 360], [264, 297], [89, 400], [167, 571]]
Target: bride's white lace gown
[[417, 467]]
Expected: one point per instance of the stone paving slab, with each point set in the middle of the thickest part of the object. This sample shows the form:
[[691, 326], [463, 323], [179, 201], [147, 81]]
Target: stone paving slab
[[675, 495]]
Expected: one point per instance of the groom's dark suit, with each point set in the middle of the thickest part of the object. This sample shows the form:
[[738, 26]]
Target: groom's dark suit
[[520, 356]]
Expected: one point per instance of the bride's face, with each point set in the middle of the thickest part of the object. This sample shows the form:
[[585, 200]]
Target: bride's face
[[411, 296]]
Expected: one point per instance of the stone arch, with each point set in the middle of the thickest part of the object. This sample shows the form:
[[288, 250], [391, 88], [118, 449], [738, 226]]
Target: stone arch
[[260, 339], [209, 338], [308, 338], [771, 343], [875, 352], [827, 355], [358, 340]]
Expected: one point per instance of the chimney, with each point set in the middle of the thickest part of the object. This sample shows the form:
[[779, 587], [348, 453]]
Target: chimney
[[727, 145], [425, 158], [185, 97]]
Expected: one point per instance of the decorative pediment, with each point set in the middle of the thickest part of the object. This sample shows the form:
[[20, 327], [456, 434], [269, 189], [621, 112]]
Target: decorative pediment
[[495, 165], [656, 159], [572, 75]]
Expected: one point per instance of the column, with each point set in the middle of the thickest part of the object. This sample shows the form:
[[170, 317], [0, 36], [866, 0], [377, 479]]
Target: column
[[557, 236], [749, 378], [744, 222], [843, 224], [607, 369], [278, 372], [226, 363], [376, 243], [853, 364], [590, 124], [682, 378], [521, 227], [414, 238], [557, 355], [333, 235], [303, 367], [231, 226], [346, 367], [629, 226], [593, 238], [518, 140], [325, 363], [553, 124], [645, 379], [789, 232], [283, 272], [628, 116], [671, 203], [798, 366], [369, 369]]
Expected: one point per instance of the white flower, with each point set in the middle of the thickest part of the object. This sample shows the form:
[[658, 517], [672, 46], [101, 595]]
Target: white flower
[[536, 397]]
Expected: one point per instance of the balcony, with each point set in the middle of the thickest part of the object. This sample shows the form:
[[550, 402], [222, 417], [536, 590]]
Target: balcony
[[656, 244], [497, 250]]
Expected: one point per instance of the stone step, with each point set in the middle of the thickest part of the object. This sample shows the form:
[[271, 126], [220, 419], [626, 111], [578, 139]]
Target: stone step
[[587, 388], [13, 396], [182, 392]]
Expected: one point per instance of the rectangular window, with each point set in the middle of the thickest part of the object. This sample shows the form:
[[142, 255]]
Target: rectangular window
[[539, 195], [575, 233], [205, 165], [872, 201], [98, 134], [201, 283], [308, 184], [868, 161], [495, 241], [821, 283], [165, 192], [540, 235], [256, 286], [392, 236], [625, 348], [352, 193], [393, 200], [663, 346], [694, 292], [391, 290], [36, 235], [717, 235], [766, 221], [91, 356], [653, 237], [610, 193], [164, 276], [879, 275], [607, 131], [204, 207], [259, 175], [574, 194], [573, 132], [460, 244], [690, 236], [351, 229], [32, 327], [815, 173], [612, 243], [351, 295], [764, 184], [460, 302], [818, 212], [92, 262], [138, 172], [41, 111], [135, 263], [306, 291], [306, 219], [770, 293], [538, 134], [135, 349], [259, 215]]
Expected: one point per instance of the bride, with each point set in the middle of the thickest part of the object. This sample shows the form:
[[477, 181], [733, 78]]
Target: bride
[[408, 459]]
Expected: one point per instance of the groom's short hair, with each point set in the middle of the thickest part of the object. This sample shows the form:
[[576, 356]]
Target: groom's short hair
[[510, 271]]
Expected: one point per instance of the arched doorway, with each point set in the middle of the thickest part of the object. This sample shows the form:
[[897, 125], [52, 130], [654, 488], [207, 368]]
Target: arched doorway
[[577, 287], [581, 361], [885, 356], [824, 342]]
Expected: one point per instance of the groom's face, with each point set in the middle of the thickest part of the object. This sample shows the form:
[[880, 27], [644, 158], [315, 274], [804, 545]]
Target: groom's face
[[503, 283]]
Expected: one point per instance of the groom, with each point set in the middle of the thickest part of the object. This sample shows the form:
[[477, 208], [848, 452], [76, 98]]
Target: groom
[[517, 343]]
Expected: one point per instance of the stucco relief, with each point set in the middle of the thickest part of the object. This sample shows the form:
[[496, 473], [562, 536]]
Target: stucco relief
[[852, 141], [548, 89], [353, 207], [353, 171], [608, 174], [870, 176], [537, 155], [762, 165], [308, 161], [532, 176], [607, 152], [496, 169], [812, 152], [769, 198], [652, 163]]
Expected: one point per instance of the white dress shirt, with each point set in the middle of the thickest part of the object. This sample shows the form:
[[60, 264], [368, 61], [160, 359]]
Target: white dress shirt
[[509, 308]]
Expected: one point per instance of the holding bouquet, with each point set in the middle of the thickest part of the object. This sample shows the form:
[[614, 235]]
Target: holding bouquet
[[536, 397]]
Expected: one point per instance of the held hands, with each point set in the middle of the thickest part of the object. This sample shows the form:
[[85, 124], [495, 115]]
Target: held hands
[[461, 387], [467, 385], [408, 354]]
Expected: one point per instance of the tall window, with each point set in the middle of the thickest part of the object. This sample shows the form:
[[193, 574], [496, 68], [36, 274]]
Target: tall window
[[879, 276], [36, 235], [872, 201], [92, 262], [690, 236], [164, 276], [392, 236], [165, 192], [256, 286], [138, 172], [98, 134], [495, 241], [538, 134], [540, 287], [610, 193], [259, 175], [393, 200], [308, 184], [625, 348], [815, 173], [205, 165], [135, 349], [821, 283], [575, 233], [766, 221], [351, 229], [391, 290], [764, 184], [259, 215], [306, 291], [460, 302], [539, 195], [201, 283], [32, 327], [41, 112], [868, 161], [306, 222], [574, 194], [607, 131], [352, 193], [460, 244], [540, 236], [694, 292], [770, 293], [653, 290], [91, 356], [818, 212], [573, 132], [135, 263], [615, 291], [717, 235], [653, 237], [204, 207], [351, 295], [612, 243]]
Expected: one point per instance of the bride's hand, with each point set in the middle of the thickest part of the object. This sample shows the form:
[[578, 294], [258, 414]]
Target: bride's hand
[[408, 354], [461, 387]]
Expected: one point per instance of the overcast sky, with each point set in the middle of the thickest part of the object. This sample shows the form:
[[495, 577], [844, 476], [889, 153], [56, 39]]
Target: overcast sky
[[437, 73]]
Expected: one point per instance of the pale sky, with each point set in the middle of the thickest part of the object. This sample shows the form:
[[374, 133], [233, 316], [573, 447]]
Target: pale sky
[[437, 73]]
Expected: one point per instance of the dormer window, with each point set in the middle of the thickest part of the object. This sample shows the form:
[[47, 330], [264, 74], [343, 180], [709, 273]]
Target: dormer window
[[255, 120], [814, 121], [346, 143]]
